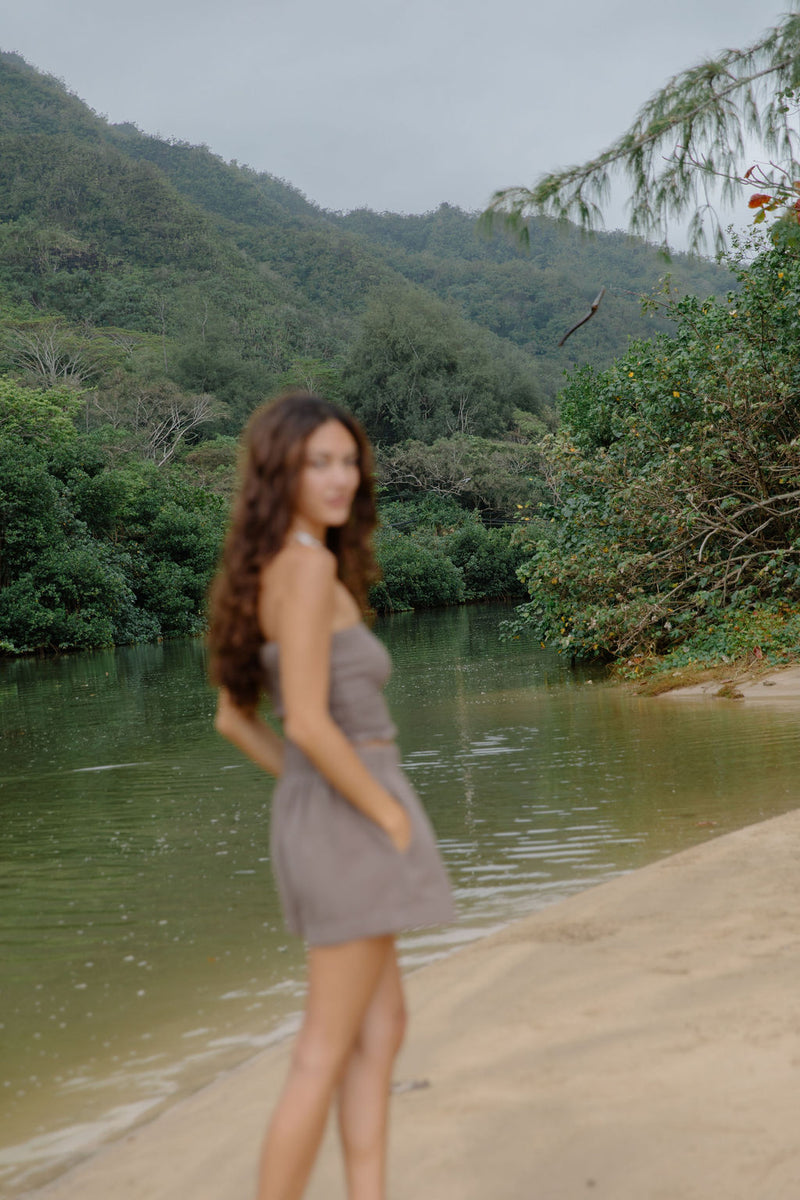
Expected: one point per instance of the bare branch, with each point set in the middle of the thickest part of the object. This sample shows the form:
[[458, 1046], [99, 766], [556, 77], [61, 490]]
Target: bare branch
[[592, 310]]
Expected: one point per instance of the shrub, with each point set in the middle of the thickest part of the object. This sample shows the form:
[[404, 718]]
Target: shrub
[[416, 574], [488, 559], [675, 478]]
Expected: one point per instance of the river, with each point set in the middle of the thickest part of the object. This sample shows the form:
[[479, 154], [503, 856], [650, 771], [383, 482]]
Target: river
[[142, 947]]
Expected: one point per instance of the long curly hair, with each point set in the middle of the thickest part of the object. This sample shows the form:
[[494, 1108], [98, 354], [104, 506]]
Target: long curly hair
[[273, 453]]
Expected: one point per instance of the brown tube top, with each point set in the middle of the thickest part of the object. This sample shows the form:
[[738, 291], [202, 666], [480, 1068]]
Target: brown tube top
[[360, 667]]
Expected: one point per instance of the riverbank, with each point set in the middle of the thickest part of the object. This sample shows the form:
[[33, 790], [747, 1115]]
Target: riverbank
[[753, 683], [638, 1041]]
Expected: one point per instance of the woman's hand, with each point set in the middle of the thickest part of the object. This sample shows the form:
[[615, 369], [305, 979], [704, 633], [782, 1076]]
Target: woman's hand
[[246, 729], [398, 826]]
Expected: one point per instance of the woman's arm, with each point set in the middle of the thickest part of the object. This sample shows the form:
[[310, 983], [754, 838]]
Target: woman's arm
[[303, 632], [250, 733]]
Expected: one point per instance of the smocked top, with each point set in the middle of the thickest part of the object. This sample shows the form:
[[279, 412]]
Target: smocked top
[[360, 668]]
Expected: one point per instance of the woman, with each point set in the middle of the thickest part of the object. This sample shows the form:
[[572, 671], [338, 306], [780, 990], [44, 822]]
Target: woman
[[352, 850]]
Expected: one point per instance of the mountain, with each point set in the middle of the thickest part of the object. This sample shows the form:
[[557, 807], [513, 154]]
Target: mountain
[[151, 295], [237, 277]]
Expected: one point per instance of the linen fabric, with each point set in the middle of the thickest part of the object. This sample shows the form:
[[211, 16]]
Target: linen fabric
[[339, 875]]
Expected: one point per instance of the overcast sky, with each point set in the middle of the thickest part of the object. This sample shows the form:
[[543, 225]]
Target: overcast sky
[[393, 104]]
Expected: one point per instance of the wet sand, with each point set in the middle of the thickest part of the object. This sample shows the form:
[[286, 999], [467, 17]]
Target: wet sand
[[639, 1041], [777, 685]]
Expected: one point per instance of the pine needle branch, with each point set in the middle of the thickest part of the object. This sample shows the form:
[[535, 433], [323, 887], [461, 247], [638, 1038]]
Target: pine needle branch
[[693, 129]]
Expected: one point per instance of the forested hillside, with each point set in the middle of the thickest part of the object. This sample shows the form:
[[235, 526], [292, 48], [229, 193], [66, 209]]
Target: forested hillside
[[151, 295], [532, 296]]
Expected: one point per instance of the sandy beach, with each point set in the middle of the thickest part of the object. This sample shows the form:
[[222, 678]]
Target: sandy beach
[[639, 1041], [774, 686]]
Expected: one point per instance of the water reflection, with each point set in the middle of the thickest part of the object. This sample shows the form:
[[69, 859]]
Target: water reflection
[[141, 938]]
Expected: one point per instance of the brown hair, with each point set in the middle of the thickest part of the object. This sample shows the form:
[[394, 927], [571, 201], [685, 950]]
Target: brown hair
[[273, 445]]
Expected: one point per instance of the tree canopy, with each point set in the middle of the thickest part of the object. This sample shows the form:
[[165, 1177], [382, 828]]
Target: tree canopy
[[419, 371], [672, 526], [152, 295], [695, 132]]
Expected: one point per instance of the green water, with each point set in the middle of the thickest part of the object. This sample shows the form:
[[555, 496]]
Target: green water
[[142, 946]]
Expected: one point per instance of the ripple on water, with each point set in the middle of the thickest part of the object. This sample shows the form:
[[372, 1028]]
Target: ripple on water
[[142, 944]]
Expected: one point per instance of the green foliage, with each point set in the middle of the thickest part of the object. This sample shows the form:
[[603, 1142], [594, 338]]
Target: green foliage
[[530, 296], [93, 552], [416, 574], [492, 476], [31, 517], [35, 415], [314, 375], [157, 257], [433, 553], [75, 596], [173, 532], [59, 587], [427, 510], [153, 416], [676, 478], [212, 465], [418, 371], [152, 295], [693, 133], [488, 560], [767, 633]]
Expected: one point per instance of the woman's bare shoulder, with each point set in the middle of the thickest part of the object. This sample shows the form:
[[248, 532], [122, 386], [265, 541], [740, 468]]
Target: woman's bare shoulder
[[297, 563], [300, 580]]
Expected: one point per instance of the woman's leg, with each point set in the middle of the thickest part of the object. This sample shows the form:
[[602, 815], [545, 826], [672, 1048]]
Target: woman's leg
[[341, 982], [364, 1089]]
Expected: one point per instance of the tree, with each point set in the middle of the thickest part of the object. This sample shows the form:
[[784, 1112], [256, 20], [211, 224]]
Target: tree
[[493, 476], [313, 375], [418, 370], [60, 588], [212, 465], [690, 134], [35, 415], [52, 355], [157, 413], [93, 554], [675, 479]]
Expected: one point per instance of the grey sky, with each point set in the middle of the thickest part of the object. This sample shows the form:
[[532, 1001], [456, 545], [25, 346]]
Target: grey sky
[[393, 104]]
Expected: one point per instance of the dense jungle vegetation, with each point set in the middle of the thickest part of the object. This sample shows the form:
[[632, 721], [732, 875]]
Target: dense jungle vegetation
[[672, 523], [670, 540], [151, 295]]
